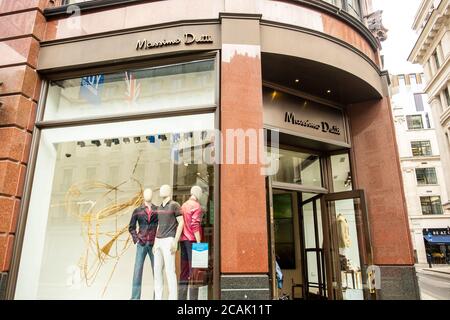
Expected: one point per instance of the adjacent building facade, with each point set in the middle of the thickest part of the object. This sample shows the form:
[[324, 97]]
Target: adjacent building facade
[[432, 51], [101, 99], [423, 173]]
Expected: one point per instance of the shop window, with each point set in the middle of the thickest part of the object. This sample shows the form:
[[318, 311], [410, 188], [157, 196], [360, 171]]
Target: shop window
[[421, 148], [104, 185], [134, 91], [431, 205], [297, 168], [426, 176], [77, 244], [340, 168], [415, 122]]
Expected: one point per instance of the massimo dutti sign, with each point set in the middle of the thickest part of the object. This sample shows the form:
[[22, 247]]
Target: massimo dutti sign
[[304, 117], [187, 39]]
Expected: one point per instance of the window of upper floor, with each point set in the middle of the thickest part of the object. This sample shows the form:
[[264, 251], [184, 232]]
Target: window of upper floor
[[421, 148], [426, 176], [414, 122], [431, 205]]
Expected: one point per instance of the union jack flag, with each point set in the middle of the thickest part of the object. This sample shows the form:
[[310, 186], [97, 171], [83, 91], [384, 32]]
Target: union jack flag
[[133, 88]]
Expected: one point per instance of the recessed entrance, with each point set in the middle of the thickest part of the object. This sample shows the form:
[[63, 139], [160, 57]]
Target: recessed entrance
[[298, 242]]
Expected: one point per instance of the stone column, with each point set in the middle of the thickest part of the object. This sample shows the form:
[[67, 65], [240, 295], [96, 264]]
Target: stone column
[[22, 26], [377, 170], [244, 237]]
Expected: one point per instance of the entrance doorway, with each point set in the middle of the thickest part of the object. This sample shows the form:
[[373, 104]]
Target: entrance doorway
[[298, 244], [319, 243]]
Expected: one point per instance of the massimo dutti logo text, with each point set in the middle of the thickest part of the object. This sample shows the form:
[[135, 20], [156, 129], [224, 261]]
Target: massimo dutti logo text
[[324, 126], [187, 39]]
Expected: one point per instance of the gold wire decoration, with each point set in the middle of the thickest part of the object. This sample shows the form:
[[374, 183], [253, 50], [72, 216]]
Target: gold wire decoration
[[103, 244]]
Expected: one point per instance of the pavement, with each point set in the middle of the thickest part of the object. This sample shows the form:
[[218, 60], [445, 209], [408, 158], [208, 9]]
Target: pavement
[[434, 283]]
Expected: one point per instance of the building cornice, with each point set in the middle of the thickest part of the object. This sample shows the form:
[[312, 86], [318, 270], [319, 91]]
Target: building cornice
[[86, 7], [429, 32]]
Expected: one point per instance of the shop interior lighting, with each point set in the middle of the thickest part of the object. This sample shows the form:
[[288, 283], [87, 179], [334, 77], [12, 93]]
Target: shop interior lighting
[[108, 142], [126, 140], [82, 144], [116, 141], [96, 142], [137, 139]]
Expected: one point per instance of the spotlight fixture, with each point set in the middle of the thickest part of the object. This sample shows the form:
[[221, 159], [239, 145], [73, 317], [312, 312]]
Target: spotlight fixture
[[151, 139], [137, 139], [115, 141], [162, 137], [297, 80], [328, 91], [82, 144], [96, 142], [186, 164], [108, 142], [126, 140]]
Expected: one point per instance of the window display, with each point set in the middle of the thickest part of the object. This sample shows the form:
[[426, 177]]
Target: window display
[[90, 223]]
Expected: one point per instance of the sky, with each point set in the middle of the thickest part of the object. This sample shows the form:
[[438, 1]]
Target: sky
[[398, 17]]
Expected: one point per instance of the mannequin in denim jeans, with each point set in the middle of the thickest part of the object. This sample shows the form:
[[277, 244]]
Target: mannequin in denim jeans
[[147, 218]]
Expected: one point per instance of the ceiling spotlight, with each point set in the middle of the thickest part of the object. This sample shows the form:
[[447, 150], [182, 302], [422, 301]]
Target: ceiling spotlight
[[137, 139], [126, 140], [186, 164], [115, 141], [297, 80], [108, 142], [328, 91], [96, 142], [82, 144]]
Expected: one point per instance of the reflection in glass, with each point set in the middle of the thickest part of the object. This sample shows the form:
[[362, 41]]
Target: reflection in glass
[[154, 89], [88, 181], [340, 168], [349, 258], [298, 168], [284, 229]]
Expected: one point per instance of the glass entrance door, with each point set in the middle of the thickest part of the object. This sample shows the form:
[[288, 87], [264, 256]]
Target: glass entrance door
[[313, 247], [350, 251]]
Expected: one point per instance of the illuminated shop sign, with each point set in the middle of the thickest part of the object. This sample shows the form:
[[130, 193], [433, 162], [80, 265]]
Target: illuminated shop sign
[[187, 39], [437, 232], [324, 126], [303, 117]]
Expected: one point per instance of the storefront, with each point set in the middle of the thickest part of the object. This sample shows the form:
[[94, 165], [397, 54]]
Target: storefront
[[437, 245], [134, 105]]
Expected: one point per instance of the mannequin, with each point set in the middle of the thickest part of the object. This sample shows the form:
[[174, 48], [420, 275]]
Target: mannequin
[[192, 216], [344, 241], [147, 219], [343, 232], [170, 227]]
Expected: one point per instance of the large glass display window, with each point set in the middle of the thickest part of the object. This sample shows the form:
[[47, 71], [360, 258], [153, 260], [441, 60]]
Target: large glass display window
[[103, 187], [88, 181]]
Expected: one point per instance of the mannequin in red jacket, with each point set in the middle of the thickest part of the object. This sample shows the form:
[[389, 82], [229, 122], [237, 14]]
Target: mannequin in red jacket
[[192, 215]]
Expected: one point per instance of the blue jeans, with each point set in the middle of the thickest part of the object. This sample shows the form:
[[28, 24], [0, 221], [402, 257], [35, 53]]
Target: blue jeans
[[141, 252]]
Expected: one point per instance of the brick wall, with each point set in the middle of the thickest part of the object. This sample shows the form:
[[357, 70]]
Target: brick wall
[[22, 26]]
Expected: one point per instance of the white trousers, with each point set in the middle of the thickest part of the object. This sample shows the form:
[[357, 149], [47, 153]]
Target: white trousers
[[164, 259]]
